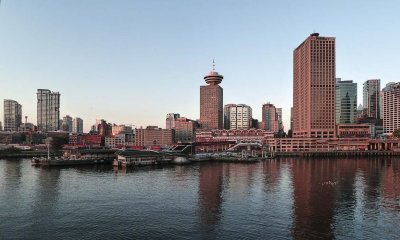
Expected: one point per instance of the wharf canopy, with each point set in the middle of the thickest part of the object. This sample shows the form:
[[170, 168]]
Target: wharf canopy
[[251, 135]]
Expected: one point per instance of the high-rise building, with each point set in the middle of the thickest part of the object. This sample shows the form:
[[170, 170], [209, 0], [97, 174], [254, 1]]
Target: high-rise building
[[240, 116], [280, 121], [48, 110], [346, 102], [211, 102], [227, 115], [314, 75], [12, 115], [104, 129], [170, 120], [371, 98], [391, 107], [67, 123], [360, 111], [77, 125], [269, 118]]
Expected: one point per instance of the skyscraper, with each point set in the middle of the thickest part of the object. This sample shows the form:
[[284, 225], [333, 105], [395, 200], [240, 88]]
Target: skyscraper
[[104, 129], [48, 110], [211, 102], [346, 101], [67, 123], [371, 98], [360, 111], [77, 125], [391, 107], [279, 116], [314, 75], [269, 118], [240, 116], [12, 115], [170, 120]]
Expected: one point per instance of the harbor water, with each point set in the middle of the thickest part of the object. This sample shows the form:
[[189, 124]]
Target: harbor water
[[287, 198]]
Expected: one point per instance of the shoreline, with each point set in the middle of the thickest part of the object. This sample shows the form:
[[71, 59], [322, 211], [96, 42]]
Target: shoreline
[[339, 154]]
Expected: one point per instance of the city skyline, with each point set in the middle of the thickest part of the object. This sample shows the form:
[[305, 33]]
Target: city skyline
[[45, 48]]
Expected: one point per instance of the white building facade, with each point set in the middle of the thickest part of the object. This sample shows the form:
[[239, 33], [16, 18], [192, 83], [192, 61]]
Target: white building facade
[[240, 117]]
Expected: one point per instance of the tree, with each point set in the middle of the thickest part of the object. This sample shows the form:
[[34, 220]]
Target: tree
[[396, 133], [57, 142]]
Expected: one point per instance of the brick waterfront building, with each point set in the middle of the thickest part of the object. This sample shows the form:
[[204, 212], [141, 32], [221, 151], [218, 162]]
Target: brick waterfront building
[[154, 136], [314, 83], [184, 130]]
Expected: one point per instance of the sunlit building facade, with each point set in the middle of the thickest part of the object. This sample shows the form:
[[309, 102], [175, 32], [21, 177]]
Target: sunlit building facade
[[48, 110], [211, 102], [184, 130], [154, 136], [12, 115], [269, 118], [67, 123], [240, 116], [280, 120], [77, 125], [227, 115], [391, 107], [371, 98], [314, 85]]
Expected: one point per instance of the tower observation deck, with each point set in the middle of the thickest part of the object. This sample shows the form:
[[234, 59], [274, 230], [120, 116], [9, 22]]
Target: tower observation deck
[[213, 77]]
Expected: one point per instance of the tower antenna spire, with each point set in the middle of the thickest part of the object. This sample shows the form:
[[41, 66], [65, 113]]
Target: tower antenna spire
[[213, 66]]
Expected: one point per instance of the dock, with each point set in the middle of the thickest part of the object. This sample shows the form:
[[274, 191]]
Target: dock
[[77, 157], [134, 158]]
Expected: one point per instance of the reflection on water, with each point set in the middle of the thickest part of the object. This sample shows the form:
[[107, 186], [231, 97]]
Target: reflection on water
[[314, 200], [210, 196], [284, 198]]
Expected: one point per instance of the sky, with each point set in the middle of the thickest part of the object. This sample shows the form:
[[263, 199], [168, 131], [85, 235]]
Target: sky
[[132, 62]]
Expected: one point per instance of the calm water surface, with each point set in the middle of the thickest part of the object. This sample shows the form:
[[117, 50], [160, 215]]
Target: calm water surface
[[277, 199]]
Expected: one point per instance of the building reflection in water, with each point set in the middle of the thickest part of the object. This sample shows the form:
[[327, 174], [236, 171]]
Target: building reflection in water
[[315, 184], [11, 179], [210, 196], [47, 196], [391, 185], [339, 198], [272, 174]]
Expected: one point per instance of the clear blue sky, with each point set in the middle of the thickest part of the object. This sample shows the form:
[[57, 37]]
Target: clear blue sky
[[136, 61]]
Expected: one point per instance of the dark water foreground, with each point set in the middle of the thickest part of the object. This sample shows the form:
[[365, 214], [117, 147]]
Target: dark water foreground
[[277, 199]]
